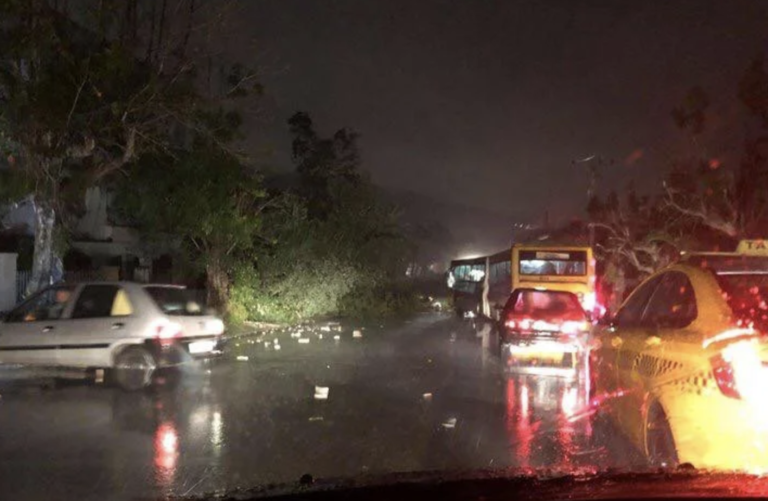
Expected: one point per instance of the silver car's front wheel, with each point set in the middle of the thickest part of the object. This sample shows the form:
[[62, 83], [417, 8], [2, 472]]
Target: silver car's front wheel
[[134, 368]]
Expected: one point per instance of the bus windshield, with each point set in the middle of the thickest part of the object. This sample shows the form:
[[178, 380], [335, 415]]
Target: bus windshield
[[560, 263]]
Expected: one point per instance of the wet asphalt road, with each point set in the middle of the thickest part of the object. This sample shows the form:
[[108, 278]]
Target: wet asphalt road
[[421, 395]]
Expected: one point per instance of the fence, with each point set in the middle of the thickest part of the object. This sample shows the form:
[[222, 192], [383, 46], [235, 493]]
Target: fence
[[22, 280]]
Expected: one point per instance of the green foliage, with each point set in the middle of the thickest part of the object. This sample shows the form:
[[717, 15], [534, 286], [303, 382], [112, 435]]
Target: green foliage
[[87, 90], [332, 248], [203, 197], [306, 289], [323, 163], [386, 299]]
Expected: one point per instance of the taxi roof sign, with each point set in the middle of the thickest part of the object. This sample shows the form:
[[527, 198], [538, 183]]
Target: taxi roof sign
[[753, 247]]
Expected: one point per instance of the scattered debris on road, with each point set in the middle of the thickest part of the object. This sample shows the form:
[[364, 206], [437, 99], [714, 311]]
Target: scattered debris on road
[[427, 396], [357, 334], [321, 392], [242, 358], [450, 423], [303, 340]]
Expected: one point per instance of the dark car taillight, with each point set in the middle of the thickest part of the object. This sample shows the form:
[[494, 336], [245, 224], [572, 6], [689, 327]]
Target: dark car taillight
[[166, 334], [724, 377], [739, 372]]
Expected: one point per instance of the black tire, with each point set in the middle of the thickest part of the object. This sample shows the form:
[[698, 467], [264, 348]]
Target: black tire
[[659, 441], [134, 368]]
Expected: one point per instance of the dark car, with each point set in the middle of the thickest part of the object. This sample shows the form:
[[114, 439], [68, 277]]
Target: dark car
[[543, 332]]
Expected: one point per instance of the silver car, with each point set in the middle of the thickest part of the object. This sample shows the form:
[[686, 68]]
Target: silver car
[[129, 328]]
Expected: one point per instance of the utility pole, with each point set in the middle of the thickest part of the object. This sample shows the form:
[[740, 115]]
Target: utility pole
[[593, 162]]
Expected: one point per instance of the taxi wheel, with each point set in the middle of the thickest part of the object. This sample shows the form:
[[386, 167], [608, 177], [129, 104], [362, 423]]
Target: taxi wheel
[[134, 368], [659, 441]]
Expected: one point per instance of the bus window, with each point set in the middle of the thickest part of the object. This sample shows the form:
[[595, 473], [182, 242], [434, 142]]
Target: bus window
[[572, 263]]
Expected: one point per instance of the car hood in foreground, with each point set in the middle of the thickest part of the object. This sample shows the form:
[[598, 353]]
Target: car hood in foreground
[[514, 485]]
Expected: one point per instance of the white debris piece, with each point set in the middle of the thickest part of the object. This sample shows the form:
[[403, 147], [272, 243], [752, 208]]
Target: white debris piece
[[427, 396], [336, 337], [277, 346], [242, 358], [450, 423], [320, 336], [303, 340], [316, 418], [325, 328], [321, 392], [357, 334], [296, 334]]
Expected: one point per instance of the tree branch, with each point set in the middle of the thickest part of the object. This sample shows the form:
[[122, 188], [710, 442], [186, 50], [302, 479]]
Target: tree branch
[[129, 151], [713, 221]]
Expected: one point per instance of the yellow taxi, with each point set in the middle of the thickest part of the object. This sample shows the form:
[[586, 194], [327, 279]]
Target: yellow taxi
[[681, 368]]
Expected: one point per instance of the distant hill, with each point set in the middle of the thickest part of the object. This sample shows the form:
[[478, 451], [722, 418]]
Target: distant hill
[[473, 231]]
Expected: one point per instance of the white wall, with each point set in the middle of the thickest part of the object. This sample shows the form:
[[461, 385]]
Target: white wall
[[7, 281], [95, 223]]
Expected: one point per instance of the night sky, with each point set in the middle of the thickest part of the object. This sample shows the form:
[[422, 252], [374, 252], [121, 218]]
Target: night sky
[[486, 103]]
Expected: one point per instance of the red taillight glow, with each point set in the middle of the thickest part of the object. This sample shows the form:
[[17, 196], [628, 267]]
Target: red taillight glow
[[573, 327], [570, 327], [589, 301], [739, 372], [724, 376], [167, 332]]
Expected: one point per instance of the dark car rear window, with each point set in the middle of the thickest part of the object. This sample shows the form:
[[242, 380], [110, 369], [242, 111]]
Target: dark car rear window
[[176, 301], [543, 304]]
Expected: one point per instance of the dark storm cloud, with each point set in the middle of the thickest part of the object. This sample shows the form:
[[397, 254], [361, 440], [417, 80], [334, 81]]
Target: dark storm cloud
[[487, 103]]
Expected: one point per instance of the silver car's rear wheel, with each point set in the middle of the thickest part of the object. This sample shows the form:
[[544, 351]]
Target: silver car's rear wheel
[[134, 368]]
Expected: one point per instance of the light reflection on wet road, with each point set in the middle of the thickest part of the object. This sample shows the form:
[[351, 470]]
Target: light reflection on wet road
[[424, 395]]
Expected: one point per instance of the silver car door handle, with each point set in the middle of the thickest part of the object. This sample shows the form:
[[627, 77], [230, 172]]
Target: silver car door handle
[[117, 325], [48, 328]]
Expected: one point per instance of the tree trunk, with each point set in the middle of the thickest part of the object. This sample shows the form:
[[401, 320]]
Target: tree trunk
[[619, 289], [217, 284], [43, 259]]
